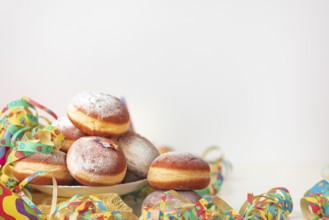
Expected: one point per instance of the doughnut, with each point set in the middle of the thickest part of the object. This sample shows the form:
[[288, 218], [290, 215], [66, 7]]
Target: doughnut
[[99, 114], [179, 171], [70, 132], [139, 153], [54, 164], [153, 200], [96, 161]]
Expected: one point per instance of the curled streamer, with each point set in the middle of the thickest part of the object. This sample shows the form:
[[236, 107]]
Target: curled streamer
[[315, 204], [22, 134], [275, 204], [206, 208], [16, 204], [101, 206], [217, 168]]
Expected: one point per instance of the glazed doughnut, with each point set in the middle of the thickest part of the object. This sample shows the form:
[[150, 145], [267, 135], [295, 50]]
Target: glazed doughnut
[[179, 171], [96, 161], [99, 114], [139, 153], [153, 200], [54, 164], [70, 132]]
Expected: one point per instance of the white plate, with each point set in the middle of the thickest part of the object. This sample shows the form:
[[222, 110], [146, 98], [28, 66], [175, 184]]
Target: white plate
[[69, 191]]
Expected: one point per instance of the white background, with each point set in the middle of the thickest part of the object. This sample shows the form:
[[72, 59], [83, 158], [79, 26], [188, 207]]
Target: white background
[[251, 76]]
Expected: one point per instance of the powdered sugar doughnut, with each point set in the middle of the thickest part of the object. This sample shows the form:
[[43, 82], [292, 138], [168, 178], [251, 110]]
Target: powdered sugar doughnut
[[99, 114], [54, 164], [70, 132], [179, 171], [96, 161], [139, 153], [153, 200]]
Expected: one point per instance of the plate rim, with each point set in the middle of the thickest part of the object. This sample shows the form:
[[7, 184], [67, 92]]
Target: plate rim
[[83, 186]]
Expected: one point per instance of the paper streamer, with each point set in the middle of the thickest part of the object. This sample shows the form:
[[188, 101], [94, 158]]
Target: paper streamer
[[273, 205], [13, 207], [182, 210], [315, 204], [15, 204], [109, 144], [21, 134], [216, 170], [102, 206]]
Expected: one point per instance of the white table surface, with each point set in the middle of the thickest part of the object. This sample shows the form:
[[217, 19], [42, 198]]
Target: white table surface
[[245, 178]]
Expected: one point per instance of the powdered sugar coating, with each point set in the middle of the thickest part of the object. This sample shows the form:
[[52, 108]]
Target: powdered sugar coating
[[180, 160], [57, 157], [100, 105], [69, 131], [87, 155], [153, 199], [139, 153]]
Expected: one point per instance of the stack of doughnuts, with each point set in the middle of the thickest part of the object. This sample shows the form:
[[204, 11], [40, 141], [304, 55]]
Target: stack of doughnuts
[[99, 149], [178, 171]]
